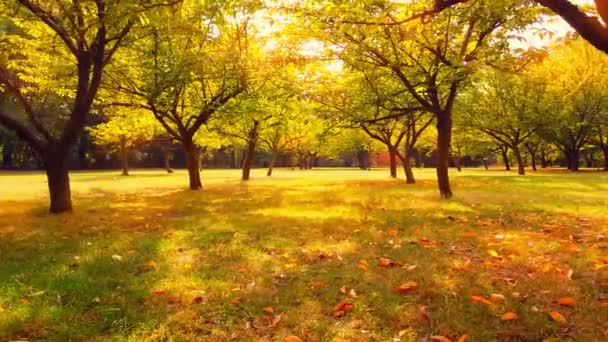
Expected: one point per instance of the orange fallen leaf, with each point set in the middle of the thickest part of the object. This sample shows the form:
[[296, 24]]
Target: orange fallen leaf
[[509, 316], [407, 287], [463, 338], [567, 301], [393, 233], [342, 308], [604, 303], [558, 317], [197, 300], [150, 265], [385, 262], [317, 284], [480, 300], [440, 338], [293, 338], [363, 264], [236, 301], [268, 309], [158, 293]]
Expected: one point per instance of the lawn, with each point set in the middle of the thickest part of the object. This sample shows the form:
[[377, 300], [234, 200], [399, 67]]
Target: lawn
[[325, 255]]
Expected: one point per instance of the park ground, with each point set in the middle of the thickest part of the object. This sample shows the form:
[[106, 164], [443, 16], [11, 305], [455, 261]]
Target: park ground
[[324, 255]]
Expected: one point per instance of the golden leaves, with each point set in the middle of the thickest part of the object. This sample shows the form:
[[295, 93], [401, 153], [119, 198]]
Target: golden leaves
[[566, 301], [558, 317], [341, 309], [407, 287]]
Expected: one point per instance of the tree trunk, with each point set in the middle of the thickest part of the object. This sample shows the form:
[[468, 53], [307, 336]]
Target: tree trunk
[[273, 161], [520, 162], [605, 151], [248, 159], [59, 184], [166, 159], [407, 169], [457, 161], [232, 158], [505, 159], [124, 158], [444, 138], [392, 155], [192, 156], [485, 163], [7, 155], [588, 159], [573, 159], [533, 161], [361, 158], [543, 159]]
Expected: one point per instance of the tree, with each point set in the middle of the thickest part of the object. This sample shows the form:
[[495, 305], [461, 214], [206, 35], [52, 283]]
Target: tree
[[188, 67], [123, 132], [431, 60], [51, 65], [574, 75], [507, 108]]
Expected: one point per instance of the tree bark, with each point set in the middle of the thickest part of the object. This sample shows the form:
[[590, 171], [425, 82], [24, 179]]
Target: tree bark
[[520, 162], [361, 158], [59, 184], [444, 138], [573, 159], [392, 156], [192, 157], [124, 158], [273, 161], [457, 161], [533, 161], [505, 159], [543, 159], [166, 159], [248, 159], [407, 169]]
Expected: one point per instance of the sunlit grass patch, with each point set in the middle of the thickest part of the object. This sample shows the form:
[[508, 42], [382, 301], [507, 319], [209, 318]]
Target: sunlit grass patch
[[143, 258]]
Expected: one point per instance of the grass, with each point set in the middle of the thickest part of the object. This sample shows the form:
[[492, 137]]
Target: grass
[[142, 259]]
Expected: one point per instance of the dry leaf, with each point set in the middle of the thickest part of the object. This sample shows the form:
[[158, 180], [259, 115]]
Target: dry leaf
[[558, 317], [480, 299], [197, 300], [509, 316], [497, 297], [463, 338], [158, 293], [440, 338], [493, 253], [604, 303], [150, 265], [567, 301], [317, 284], [293, 338], [342, 308], [393, 233], [276, 320], [407, 287], [384, 262], [236, 301], [363, 264], [268, 309]]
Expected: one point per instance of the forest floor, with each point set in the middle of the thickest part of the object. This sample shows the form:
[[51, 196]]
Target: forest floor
[[324, 255]]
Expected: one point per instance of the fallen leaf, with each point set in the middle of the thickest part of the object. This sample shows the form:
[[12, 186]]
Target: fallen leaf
[[558, 317], [276, 320], [342, 308], [385, 262], [293, 338], [567, 301], [236, 301], [317, 284], [158, 293], [116, 257], [197, 300], [509, 316], [393, 233], [480, 299], [493, 253], [149, 265], [440, 338], [407, 287], [463, 338], [268, 309], [497, 297], [363, 264], [604, 303]]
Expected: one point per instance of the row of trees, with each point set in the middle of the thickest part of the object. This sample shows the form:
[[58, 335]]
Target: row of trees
[[203, 73]]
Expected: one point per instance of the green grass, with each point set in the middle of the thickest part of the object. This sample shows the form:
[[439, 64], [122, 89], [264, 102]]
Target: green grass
[[204, 265]]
